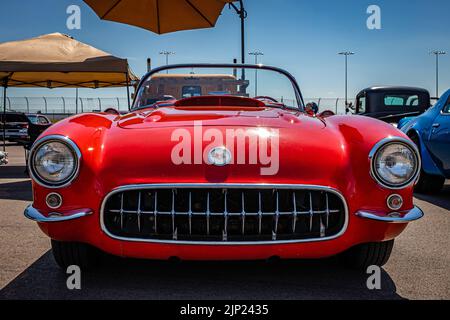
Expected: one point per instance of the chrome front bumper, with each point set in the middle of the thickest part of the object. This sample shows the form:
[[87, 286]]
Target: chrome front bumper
[[34, 214], [395, 217]]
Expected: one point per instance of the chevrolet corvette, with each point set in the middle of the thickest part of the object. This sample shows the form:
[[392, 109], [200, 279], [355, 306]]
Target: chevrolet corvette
[[201, 169]]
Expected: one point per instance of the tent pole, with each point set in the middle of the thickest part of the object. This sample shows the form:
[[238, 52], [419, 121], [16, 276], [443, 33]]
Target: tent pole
[[76, 101], [128, 91], [5, 85]]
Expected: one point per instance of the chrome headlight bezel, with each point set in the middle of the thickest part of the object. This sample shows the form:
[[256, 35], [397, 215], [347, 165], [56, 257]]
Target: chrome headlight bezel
[[70, 145], [384, 143]]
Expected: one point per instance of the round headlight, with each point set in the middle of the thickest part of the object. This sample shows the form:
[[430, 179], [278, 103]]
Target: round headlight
[[395, 164], [54, 162]]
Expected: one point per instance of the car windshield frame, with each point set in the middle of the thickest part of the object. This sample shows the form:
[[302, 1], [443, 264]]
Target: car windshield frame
[[295, 86]]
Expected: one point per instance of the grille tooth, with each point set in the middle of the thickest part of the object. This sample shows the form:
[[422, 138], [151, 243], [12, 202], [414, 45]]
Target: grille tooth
[[224, 214], [174, 230], [190, 213], [243, 213], [139, 212], [260, 214], [277, 216], [311, 212], [155, 212], [121, 211]]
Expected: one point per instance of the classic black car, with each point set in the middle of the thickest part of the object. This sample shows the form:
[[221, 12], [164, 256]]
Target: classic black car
[[14, 126], [23, 128], [390, 104]]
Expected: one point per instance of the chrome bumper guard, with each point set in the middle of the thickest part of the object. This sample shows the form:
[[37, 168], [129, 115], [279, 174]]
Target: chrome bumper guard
[[35, 215], [395, 217]]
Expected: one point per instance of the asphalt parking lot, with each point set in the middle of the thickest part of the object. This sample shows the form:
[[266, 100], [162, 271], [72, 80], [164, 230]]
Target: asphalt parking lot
[[419, 267]]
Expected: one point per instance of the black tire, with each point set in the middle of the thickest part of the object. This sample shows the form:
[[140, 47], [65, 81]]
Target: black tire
[[428, 183], [368, 254], [71, 253]]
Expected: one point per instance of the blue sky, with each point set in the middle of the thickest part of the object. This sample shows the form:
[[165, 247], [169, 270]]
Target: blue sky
[[298, 35]]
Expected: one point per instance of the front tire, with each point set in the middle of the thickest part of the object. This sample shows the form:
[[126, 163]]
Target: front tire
[[429, 184], [71, 253], [364, 255]]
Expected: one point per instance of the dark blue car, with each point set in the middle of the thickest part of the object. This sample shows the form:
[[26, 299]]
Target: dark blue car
[[431, 133]]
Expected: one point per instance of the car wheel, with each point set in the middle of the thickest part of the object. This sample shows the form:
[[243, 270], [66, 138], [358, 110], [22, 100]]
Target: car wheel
[[364, 255], [71, 253], [427, 183]]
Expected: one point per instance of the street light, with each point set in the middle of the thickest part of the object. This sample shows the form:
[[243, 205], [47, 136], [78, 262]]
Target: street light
[[346, 54], [167, 54], [256, 54], [437, 53]]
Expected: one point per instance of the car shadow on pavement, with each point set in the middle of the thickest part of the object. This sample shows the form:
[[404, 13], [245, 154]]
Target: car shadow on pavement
[[13, 172], [136, 279], [441, 199], [16, 191]]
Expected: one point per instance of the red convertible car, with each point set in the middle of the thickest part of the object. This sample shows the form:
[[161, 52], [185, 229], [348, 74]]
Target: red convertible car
[[216, 173]]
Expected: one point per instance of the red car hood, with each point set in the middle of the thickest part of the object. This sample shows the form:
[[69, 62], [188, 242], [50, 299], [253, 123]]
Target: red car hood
[[146, 142], [139, 146]]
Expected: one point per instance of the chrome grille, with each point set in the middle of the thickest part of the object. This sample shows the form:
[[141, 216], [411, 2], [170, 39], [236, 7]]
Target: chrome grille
[[224, 214]]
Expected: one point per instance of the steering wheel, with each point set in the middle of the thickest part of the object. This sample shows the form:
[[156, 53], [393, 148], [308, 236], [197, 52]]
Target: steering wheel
[[266, 98], [112, 111]]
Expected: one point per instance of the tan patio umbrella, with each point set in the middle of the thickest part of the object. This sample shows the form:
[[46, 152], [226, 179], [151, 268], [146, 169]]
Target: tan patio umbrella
[[161, 16], [164, 16]]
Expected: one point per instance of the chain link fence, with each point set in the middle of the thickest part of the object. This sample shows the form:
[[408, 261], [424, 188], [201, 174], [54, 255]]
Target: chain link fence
[[57, 108], [60, 107]]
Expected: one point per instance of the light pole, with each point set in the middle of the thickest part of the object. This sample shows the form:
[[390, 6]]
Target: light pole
[[167, 54], [256, 54], [437, 53], [346, 54]]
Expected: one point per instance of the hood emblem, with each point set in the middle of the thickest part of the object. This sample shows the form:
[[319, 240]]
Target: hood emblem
[[219, 156]]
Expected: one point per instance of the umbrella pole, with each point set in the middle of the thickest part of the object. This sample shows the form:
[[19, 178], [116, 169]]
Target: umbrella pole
[[5, 85], [243, 15]]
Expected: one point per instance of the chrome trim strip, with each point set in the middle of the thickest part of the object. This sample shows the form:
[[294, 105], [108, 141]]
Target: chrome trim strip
[[414, 214], [224, 186], [382, 144], [35, 215], [59, 138]]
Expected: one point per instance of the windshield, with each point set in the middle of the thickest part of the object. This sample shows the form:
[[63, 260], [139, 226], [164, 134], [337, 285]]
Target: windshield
[[166, 86], [33, 119]]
